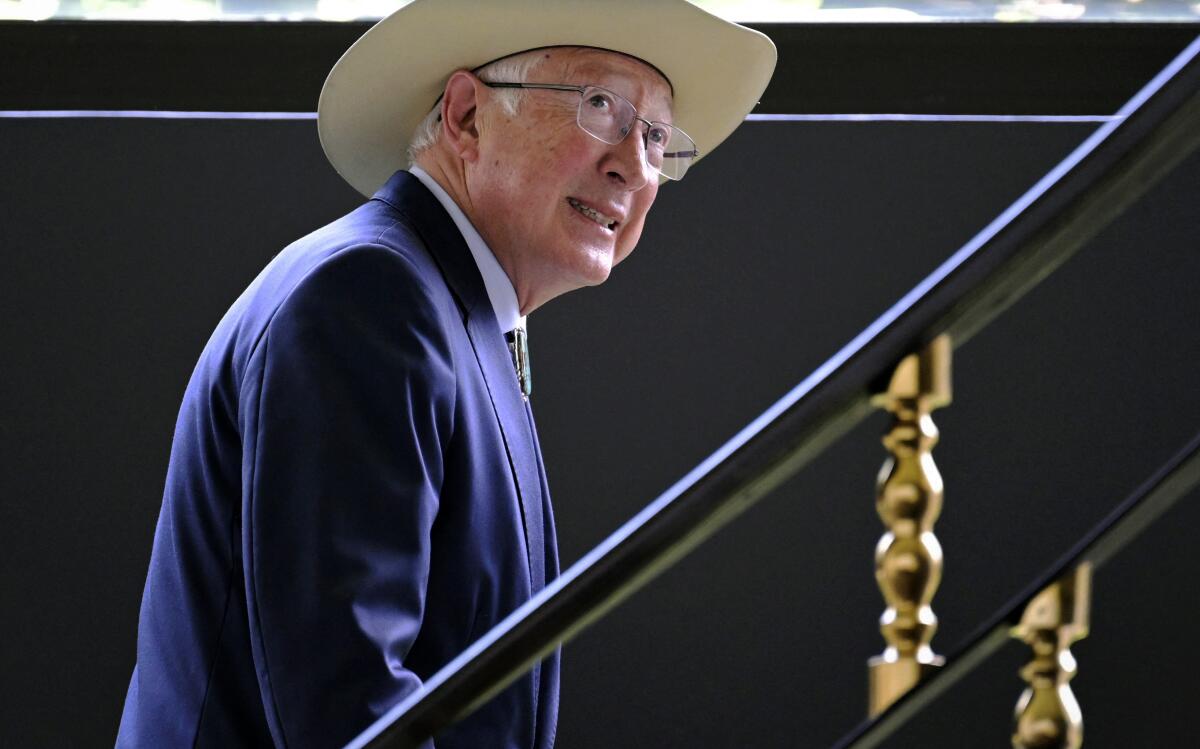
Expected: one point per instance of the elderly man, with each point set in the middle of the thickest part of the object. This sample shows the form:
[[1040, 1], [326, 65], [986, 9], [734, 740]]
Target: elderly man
[[355, 491]]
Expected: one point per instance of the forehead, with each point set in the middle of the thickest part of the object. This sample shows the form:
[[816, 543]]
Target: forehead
[[628, 76]]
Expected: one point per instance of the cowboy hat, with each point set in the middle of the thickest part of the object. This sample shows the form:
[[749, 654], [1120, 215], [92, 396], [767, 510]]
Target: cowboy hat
[[389, 79]]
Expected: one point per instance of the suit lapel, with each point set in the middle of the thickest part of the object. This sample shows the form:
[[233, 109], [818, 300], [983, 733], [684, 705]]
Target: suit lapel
[[547, 511], [406, 194], [501, 378]]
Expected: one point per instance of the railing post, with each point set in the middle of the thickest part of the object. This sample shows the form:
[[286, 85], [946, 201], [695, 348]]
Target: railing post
[[908, 558], [1047, 715]]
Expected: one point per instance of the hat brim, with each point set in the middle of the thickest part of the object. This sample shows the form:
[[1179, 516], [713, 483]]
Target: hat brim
[[385, 84]]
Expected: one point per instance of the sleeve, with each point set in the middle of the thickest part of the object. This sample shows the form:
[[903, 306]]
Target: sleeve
[[349, 399]]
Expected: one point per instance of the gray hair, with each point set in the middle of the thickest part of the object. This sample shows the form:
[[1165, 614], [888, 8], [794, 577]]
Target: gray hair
[[512, 69]]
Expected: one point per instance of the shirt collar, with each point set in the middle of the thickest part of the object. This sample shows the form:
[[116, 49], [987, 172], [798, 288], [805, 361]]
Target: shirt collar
[[499, 288]]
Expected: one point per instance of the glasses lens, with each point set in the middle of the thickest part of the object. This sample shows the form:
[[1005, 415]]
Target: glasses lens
[[605, 115], [669, 150], [609, 118]]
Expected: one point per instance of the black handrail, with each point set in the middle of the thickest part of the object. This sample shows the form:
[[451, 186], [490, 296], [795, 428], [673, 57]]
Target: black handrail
[[1156, 495], [1155, 130]]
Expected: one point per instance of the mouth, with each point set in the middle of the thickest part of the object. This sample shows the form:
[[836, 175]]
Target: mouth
[[587, 211]]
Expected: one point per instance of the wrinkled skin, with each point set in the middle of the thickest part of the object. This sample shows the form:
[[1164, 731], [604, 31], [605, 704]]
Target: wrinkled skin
[[515, 175]]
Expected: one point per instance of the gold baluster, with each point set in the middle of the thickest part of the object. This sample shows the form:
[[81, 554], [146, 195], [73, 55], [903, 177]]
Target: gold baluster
[[908, 559], [1047, 715]]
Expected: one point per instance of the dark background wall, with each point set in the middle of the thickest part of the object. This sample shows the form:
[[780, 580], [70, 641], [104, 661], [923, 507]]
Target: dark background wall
[[123, 241]]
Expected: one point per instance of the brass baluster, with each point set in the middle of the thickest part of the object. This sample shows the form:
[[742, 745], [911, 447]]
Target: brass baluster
[[908, 559], [1047, 715]]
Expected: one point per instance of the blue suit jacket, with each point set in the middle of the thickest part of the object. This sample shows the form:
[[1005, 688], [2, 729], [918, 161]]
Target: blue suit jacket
[[355, 494]]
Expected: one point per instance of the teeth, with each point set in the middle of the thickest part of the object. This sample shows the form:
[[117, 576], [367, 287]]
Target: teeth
[[592, 213]]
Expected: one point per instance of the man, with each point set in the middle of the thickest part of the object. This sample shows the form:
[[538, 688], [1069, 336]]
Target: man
[[355, 491]]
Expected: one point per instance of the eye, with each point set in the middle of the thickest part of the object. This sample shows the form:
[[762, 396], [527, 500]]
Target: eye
[[600, 101], [658, 135]]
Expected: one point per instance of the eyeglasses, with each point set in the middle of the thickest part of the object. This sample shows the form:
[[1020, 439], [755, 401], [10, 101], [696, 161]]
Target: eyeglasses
[[609, 117]]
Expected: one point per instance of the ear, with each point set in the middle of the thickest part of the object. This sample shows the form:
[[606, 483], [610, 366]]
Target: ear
[[458, 109]]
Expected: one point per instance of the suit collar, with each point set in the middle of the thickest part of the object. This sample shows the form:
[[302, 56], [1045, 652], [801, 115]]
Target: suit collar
[[429, 218], [499, 287]]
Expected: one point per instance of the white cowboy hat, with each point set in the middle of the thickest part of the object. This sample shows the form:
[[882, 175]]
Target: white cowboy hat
[[383, 86]]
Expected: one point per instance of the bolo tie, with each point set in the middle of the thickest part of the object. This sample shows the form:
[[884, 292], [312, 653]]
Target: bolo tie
[[518, 346]]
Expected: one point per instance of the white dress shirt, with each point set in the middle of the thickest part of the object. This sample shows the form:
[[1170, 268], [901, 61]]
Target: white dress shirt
[[499, 288]]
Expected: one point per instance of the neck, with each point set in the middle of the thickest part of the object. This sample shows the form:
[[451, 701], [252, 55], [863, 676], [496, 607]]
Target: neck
[[450, 172]]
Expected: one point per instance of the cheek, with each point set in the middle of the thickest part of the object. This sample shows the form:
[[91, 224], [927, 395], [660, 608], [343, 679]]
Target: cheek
[[552, 142], [550, 173], [524, 154]]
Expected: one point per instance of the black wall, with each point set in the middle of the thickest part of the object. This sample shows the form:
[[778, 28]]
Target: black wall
[[122, 242]]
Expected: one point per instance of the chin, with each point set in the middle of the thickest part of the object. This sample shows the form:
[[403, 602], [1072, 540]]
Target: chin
[[584, 266], [596, 272], [596, 280]]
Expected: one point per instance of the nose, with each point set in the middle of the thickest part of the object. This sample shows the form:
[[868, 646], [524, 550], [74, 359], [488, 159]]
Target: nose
[[625, 162]]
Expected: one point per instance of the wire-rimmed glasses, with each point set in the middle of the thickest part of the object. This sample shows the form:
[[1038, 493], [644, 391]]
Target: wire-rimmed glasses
[[608, 117]]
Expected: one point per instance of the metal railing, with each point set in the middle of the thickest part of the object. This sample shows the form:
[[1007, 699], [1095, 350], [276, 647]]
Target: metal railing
[[1108, 172], [1155, 496]]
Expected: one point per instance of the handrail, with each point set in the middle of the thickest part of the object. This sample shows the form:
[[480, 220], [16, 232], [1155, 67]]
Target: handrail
[[1155, 496], [1155, 130]]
